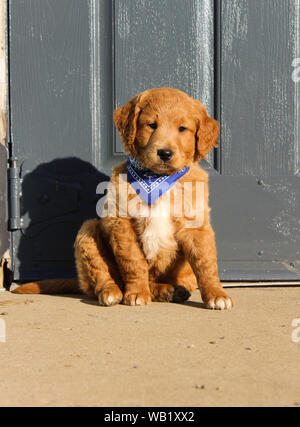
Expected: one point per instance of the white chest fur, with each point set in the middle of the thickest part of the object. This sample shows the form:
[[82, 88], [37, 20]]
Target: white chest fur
[[158, 234]]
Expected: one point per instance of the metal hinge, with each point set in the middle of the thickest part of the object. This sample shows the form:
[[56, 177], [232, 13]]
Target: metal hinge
[[14, 196]]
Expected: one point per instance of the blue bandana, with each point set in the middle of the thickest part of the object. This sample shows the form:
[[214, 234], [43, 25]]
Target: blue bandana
[[148, 185]]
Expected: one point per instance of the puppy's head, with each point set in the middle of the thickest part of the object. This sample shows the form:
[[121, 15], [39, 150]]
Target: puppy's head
[[166, 130]]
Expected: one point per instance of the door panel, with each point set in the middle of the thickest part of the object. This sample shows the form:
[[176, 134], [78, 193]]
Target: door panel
[[49, 79], [260, 127], [257, 227], [141, 44]]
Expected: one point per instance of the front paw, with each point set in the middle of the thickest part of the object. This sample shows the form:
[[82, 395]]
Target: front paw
[[137, 298], [217, 299], [110, 296]]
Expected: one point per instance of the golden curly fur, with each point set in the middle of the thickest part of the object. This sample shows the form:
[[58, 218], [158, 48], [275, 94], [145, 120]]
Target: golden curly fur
[[136, 259]]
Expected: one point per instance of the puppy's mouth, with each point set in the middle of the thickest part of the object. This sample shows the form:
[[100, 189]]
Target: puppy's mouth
[[164, 168], [161, 168]]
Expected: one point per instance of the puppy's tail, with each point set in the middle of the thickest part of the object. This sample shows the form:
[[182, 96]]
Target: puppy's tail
[[53, 286]]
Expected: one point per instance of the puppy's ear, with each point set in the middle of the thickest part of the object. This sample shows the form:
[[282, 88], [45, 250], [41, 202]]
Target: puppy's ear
[[126, 121], [207, 132]]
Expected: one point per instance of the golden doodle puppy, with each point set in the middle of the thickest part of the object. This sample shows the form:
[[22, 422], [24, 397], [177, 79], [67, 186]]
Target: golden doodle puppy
[[154, 240]]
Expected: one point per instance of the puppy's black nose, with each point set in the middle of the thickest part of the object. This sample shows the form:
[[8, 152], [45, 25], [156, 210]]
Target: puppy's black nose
[[165, 155]]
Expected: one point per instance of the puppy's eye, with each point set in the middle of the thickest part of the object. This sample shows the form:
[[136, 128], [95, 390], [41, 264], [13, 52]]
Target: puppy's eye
[[182, 129], [152, 125]]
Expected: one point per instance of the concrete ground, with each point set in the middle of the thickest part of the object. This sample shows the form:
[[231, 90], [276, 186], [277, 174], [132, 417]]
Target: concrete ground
[[68, 351]]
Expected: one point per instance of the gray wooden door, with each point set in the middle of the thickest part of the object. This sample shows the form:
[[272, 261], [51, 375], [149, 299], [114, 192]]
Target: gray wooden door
[[73, 61]]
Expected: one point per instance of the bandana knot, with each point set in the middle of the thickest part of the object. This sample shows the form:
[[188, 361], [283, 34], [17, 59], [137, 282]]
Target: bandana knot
[[149, 185]]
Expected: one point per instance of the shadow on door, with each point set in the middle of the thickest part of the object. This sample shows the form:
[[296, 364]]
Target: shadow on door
[[57, 197]]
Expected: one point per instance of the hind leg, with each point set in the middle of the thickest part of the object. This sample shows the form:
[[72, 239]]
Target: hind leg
[[97, 271], [176, 285], [164, 292]]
